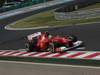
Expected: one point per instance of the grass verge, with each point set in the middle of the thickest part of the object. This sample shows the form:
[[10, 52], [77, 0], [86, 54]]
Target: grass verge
[[47, 19]]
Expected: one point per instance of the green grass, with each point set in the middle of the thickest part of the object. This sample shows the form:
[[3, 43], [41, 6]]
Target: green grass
[[47, 19]]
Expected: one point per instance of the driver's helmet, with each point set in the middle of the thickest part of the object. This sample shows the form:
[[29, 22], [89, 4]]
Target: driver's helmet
[[46, 33]]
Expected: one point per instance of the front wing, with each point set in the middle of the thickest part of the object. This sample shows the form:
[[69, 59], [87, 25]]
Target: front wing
[[77, 44]]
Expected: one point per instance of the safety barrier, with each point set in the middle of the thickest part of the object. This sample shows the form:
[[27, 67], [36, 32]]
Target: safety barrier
[[66, 13], [51, 4], [78, 15], [21, 5]]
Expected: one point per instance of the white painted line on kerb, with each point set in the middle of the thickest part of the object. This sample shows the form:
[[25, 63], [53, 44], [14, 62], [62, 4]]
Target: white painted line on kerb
[[40, 54], [97, 57], [2, 52], [18, 53], [8, 53], [29, 54], [68, 54], [84, 55], [51, 55]]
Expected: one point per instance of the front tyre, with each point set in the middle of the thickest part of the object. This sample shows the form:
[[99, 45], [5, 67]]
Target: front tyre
[[51, 47], [72, 37], [29, 47]]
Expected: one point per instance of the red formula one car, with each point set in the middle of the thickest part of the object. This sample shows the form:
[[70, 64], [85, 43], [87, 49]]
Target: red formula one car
[[46, 42]]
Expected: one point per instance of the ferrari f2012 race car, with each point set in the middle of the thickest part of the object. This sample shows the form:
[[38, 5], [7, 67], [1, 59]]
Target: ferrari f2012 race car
[[43, 41]]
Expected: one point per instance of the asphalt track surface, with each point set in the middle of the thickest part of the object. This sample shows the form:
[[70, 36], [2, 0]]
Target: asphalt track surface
[[15, 68], [89, 33]]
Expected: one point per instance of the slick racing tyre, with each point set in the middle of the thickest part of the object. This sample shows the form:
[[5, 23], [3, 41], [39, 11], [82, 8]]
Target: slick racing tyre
[[54, 45], [29, 47], [72, 37], [51, 47]]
